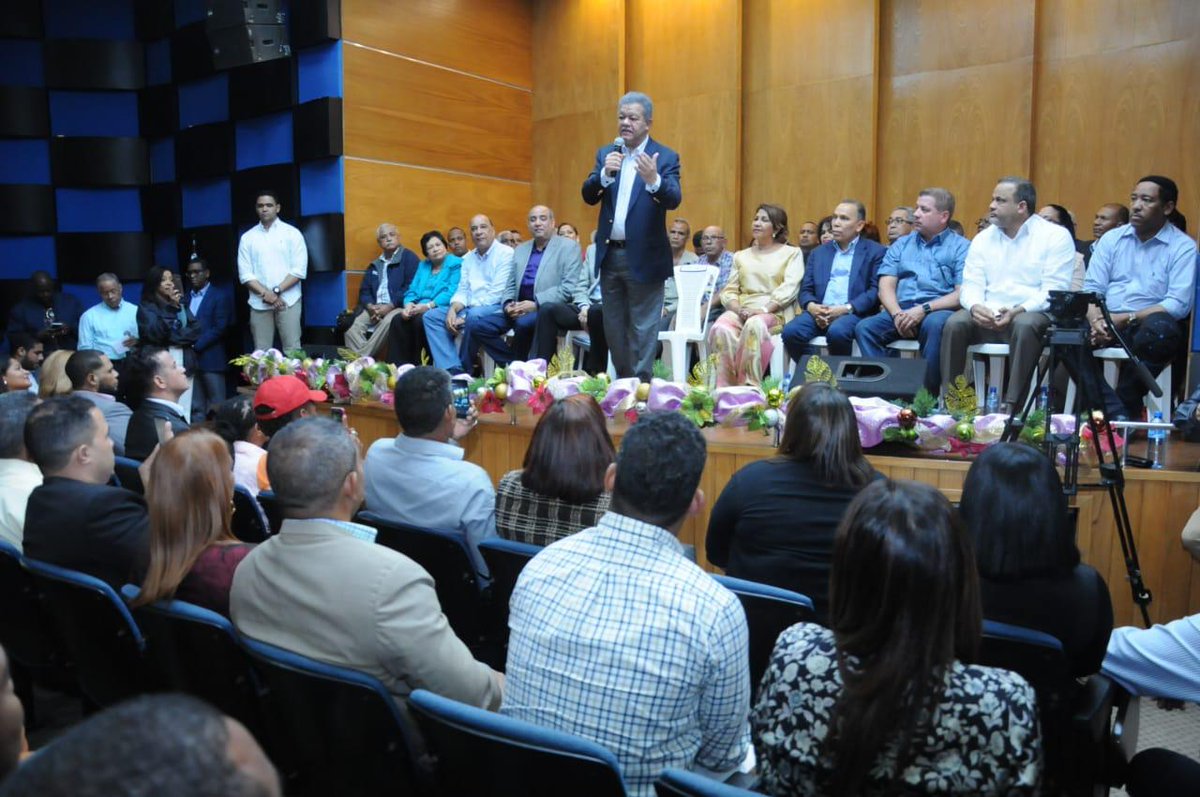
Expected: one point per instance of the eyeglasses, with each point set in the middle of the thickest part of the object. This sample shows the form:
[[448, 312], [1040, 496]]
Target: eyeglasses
[[897, 220], [712, 237]]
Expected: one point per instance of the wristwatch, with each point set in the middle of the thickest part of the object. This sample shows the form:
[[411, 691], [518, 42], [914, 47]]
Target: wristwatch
[[276, 290], [925, 307]]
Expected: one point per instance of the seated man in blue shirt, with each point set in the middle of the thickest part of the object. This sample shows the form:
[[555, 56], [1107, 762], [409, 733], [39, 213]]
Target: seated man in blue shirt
[[1146, 271], [840, 285], [109, 327], [485, 285], [918, 286], [420, 476], [618, 638]]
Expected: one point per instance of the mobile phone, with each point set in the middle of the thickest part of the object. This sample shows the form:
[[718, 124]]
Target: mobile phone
[[462, 401], [339, 414], [160, 429]]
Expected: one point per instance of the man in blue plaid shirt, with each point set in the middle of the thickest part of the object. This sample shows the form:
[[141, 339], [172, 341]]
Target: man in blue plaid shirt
[[618, 638]]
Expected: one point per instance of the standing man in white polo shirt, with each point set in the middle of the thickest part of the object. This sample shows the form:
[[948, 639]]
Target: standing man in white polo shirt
[[272, 260]]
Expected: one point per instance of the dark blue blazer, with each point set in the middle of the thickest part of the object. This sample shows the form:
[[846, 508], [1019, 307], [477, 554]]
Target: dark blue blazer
[[215, 315], [647, 246], [864, 275], [400, 276]]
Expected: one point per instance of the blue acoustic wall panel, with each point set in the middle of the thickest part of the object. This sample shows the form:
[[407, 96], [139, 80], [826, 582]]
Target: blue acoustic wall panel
[[93, 113], [21, 255], [321, 187], [204, 100], [88, 19], [21, 63], [99, 210], [319, 71], [324, 297], [164, 251], [25, 160], [86, 293], [205, 203], [264, 141], [188, 11], [162, 160], [158, 62]]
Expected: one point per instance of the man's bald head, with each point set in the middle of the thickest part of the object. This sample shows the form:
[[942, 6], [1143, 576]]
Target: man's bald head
[[713, 241]]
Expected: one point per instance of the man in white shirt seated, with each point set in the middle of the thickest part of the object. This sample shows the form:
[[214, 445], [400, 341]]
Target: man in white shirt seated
[[272, 260], [93, 376], [18, 474], [1009, 272], [420, 476]]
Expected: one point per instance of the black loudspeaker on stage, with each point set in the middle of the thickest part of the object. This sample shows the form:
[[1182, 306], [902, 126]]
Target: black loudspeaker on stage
[[886, 377]]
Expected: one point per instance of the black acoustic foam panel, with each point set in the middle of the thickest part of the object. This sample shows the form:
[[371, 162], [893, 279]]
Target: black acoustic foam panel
[[317, 129], [24, 112], [204, 151], [86, 161], [27, 209], [83, 255], [94, 64]]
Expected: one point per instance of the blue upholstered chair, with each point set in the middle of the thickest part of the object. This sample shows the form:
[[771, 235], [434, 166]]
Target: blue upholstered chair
[[681, 783], [126, 471], [769, 611], [505, 560], [485, 754], [250, 522]]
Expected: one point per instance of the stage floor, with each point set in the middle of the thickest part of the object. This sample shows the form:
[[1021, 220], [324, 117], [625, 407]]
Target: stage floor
[[1159, 502]]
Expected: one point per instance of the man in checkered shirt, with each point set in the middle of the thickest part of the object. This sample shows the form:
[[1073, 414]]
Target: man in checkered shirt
[[618, 638]]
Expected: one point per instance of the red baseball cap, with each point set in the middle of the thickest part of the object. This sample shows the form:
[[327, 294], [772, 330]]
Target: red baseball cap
[[280, 395]]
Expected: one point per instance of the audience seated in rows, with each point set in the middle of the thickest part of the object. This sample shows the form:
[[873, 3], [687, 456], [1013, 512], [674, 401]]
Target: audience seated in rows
[[559, 489], [547, 271], [759, 299], [1030, 574], [774, 522], [94, 378], [483, 287], [160, 382], [919, 281], [435, 282], [420, 476], [109, 327], [1009, 270], [12, 721], [155, 744], [900, 223], [618, 638], [234, 420], [193, 553], [75, 518], [322, 588], [18, 474], [381, 295], [279, 401], [885, 699], [1146, 270], [840, 285], [52, 377]]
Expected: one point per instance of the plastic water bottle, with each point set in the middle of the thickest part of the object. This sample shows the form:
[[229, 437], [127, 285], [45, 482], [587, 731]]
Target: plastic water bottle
[[993, 400], [1043, 402], [786, 383], [1157, 443]]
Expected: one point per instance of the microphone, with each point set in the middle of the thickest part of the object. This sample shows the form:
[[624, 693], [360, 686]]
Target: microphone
[[618, 143]]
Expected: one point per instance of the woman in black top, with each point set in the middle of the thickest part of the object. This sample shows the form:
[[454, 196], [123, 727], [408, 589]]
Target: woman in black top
[[1030, 574], [163, 319], [775, 520]]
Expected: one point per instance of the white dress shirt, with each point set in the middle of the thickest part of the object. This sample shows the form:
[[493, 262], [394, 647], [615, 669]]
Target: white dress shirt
[[625, 189], [1005, 272], [485, 279], [269, 256], [18, 478]]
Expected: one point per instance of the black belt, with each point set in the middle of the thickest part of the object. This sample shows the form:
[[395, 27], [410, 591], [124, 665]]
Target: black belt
[[617, 244]]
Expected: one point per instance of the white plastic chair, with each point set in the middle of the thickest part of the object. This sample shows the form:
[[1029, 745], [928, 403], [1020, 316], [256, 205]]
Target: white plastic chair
[[1112, 357], [997, 355], [781, 361], [907, 347], [696, 285], [580, 342]]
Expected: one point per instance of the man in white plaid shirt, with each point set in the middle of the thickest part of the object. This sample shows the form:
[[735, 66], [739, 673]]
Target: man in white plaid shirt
[[618, 638]]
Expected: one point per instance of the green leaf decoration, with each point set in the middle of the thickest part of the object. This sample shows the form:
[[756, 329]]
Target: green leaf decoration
[[961, 401], [924, 404], [425, 359], [476, 383], [769, 383], [349, 355], [698, 407], [661, 370], [595, 386], [296, 354], [817, 370]]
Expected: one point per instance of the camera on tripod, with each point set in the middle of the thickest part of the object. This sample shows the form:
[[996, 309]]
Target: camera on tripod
[[1071, 306]]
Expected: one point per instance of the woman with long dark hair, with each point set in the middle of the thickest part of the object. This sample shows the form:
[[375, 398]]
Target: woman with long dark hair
[[193, 552], [560, 488], [164, 320], [884, 701], [1030, 574], [775, 520]]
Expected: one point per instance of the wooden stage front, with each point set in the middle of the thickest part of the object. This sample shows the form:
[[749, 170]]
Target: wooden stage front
[[1159, 502]]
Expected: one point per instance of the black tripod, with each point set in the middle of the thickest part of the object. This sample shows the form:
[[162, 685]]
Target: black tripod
[[1067, 340]]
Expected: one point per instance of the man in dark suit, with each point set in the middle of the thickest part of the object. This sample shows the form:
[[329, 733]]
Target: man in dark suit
[[635, 183], [213, 308], [160, 381], [840, 285], [381, 295], [48, 314], [75, 519]]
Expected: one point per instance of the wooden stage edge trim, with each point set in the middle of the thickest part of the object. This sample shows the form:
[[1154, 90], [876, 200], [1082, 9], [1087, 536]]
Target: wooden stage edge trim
[[1159, 501]]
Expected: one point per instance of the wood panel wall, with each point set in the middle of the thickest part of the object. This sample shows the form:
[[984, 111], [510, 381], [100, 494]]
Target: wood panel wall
[[802, 103], [437, 115]]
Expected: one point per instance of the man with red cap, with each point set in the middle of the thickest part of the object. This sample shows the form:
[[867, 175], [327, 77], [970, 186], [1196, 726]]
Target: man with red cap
[[277, 402]]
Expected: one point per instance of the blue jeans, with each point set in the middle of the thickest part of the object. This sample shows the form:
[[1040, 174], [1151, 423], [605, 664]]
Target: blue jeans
[[875, 333], [441, 342], [803, 328]]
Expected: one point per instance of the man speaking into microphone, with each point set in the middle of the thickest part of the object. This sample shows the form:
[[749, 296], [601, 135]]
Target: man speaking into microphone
[[636, 181]]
